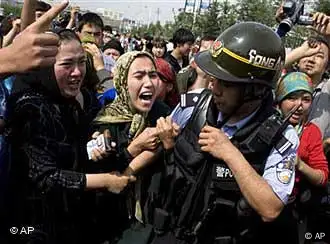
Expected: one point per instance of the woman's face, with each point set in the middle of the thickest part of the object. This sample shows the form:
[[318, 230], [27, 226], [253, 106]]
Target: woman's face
[[143, 83], [70, 68], [158, 51], [293, 100]]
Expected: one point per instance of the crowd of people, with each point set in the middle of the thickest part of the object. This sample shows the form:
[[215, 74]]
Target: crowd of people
[[106, 139]]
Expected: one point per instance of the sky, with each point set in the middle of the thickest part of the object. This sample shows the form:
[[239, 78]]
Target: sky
[[139, 10]]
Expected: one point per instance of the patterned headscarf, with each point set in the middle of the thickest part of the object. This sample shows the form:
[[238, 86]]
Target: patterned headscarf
[[292, 82], [121, 110]]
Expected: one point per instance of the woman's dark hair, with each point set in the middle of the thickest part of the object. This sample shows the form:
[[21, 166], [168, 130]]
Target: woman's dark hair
[[108, 28], [159, 42], [319, 38], [91, 79]]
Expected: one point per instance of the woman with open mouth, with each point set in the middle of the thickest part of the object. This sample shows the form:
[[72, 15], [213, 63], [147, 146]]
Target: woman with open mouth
[[131, 121]]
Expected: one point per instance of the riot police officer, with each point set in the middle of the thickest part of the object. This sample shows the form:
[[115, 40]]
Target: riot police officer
[[231, 169]]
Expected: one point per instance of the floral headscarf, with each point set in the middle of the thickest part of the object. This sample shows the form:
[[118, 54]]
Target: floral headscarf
[[121, 110]]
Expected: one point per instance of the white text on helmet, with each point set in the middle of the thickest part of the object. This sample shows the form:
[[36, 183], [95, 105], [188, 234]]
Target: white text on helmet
[[263, 61]]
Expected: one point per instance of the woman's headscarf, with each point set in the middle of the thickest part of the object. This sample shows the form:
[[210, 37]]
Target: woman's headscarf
[[292, 82], [167, 75], [121, 110]]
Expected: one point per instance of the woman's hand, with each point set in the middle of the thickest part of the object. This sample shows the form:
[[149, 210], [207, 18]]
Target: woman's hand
[[147, 140], [109, 146], [167, 131], [116, 182]]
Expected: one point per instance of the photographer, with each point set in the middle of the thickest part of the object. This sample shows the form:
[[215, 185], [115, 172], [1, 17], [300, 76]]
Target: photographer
[[290, 13], [74, 14]]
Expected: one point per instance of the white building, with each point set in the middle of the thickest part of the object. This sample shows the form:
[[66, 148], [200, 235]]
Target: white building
[[109, 13]]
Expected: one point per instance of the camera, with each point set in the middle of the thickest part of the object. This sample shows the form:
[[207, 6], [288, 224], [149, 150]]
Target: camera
[[64, 20], [294, 12]]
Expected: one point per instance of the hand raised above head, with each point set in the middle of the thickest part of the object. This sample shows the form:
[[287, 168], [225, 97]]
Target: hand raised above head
[[280, 15], [310, 48], [322, 23], [34, 47]]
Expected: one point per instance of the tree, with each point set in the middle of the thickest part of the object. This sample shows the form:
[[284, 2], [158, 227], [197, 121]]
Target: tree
[[262, 11], [208, 23], [323, 6], [184, 20], [156, 29], [168, 30], [219, 16], [228, 15], [10, 9], [296, 36]]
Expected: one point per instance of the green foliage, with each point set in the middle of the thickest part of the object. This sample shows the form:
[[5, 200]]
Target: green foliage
[[225, 13], [10, 9], [184, 20], [262, 11], [323, 6], [157, 29], [296, 36], [219, 17]]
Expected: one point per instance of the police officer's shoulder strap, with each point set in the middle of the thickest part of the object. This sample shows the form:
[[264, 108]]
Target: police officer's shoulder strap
[[198, 117], [189, 99], [269, 135]]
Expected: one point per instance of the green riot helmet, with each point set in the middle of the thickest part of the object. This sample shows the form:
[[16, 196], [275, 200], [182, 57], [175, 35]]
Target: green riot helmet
[[247, 52]]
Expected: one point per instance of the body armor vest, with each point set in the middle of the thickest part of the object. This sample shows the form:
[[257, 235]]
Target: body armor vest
[[203, 200]]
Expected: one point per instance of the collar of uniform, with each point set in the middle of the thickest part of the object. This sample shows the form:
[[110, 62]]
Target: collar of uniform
[[198, 90], [230, 129]]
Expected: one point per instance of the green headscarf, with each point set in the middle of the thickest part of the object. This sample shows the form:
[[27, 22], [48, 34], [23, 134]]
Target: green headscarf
[[121, 110]]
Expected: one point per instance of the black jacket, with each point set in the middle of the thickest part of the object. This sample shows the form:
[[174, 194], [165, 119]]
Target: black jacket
[[114, 209], [48, 163], [174, 62]]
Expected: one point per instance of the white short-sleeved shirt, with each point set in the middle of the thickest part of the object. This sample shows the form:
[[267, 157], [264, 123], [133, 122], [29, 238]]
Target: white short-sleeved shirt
[[279, 169]]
